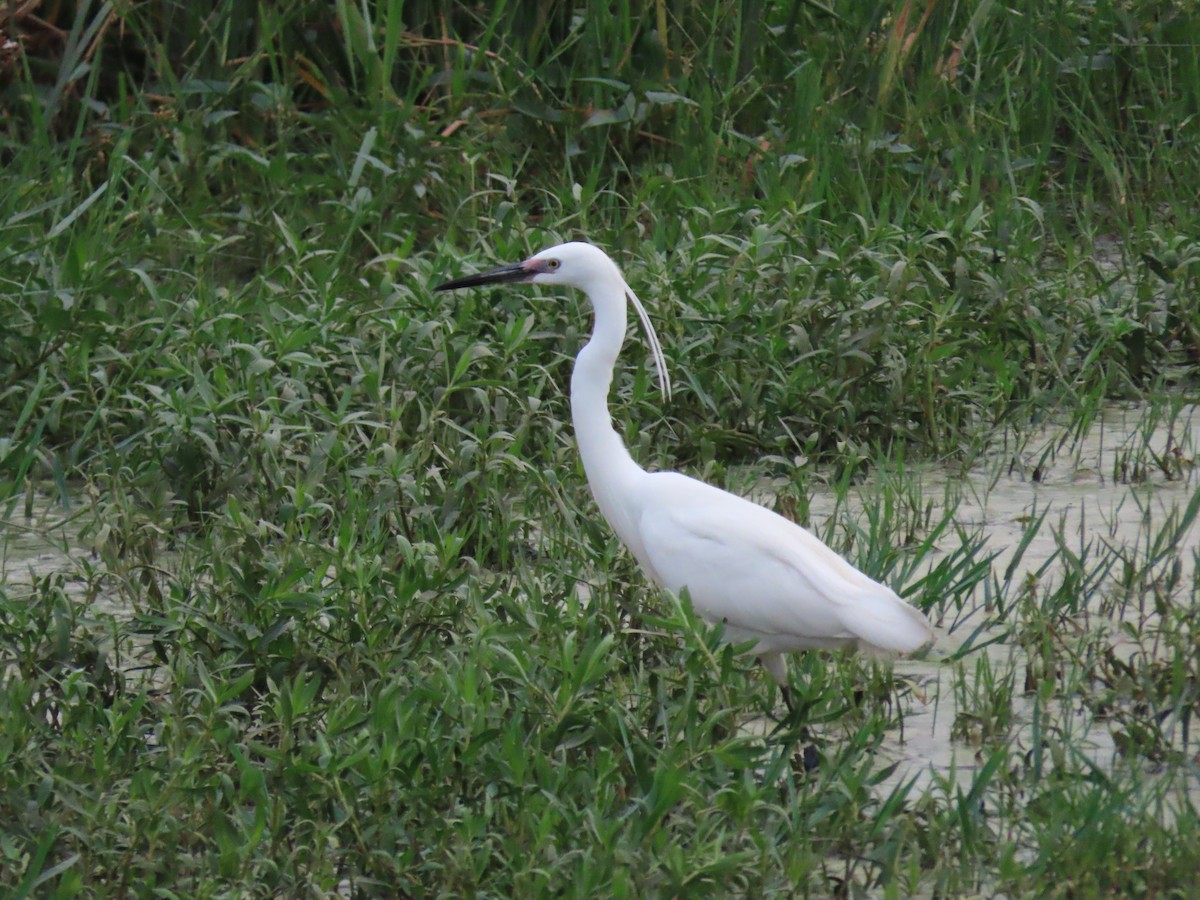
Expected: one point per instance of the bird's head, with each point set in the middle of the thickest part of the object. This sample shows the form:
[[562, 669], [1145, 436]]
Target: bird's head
[[574, 264], [578, 265]]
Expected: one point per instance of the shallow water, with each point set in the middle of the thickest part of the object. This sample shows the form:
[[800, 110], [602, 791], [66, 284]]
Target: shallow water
[[39, 538], [1104, 498]]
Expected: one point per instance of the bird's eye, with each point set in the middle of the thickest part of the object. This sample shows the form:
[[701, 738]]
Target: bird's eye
[[552, 264]]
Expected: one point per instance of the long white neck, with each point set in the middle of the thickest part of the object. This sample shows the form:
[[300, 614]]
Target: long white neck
[[610, 469]]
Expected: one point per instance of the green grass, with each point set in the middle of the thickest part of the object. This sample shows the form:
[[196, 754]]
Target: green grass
[[327, 606]]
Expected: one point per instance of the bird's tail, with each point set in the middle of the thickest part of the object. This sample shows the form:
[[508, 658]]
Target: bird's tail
[[885, 623]]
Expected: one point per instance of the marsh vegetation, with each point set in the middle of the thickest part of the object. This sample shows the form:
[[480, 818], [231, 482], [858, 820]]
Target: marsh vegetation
[[301, 589]]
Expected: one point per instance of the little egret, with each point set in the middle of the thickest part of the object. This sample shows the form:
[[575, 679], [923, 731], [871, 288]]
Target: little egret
[[764, 578]]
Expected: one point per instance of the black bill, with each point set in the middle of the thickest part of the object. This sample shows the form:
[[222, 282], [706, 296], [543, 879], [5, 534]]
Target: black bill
[[503, 274]]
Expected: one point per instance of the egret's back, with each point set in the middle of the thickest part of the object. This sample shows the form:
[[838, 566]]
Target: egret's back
[[764, 577]]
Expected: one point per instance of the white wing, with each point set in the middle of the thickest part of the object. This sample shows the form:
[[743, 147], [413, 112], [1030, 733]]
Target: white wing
[[766, 578]]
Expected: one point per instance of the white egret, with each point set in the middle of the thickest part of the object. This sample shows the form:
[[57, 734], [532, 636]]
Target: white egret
[[763, 577]]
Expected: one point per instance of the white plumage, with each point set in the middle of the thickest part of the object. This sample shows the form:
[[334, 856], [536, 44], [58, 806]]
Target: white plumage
[[765, 578]]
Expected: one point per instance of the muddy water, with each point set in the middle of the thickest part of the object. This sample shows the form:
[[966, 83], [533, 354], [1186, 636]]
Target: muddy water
[[39, 539], [1104, 495]]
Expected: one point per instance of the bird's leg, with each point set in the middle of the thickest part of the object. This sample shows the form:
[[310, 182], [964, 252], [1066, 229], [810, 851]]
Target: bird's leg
[[808, 757], [777, 668]]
